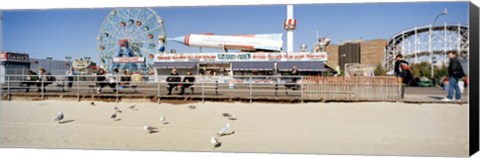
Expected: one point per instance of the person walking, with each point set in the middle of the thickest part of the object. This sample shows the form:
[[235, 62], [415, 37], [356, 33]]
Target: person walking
[[455, 73], [403, 72]]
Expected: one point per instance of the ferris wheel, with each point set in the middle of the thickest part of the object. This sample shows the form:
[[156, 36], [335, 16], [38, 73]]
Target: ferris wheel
[[129, 38]]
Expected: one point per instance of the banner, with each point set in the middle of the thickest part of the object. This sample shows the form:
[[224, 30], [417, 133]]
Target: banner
[[129, 60], [321, 56]]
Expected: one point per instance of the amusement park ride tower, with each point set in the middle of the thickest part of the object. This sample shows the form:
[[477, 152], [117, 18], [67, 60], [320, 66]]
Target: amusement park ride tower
[[129, 38], [290, 24]]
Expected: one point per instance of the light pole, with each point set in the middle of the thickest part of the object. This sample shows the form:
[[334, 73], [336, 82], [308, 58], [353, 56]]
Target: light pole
[[343, 57], [49, 63], [444, 12], [68, 58]]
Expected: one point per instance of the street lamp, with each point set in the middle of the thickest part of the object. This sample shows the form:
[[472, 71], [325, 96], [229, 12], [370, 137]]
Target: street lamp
[[68, 58], [444, 12], [49, 63]]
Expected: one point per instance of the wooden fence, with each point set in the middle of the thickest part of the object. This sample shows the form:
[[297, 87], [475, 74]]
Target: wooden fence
[[352, 88]]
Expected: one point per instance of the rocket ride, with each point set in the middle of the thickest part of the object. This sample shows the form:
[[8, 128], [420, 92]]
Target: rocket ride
[[245, 43]]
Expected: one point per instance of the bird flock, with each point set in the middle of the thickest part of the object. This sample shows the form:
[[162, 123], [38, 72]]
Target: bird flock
[[214, 140]]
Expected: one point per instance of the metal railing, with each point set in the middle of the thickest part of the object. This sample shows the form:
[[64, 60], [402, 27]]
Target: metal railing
[[204, 87]]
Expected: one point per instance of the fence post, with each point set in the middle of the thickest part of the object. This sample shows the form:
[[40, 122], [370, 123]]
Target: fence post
[[301, 88], [399, 91], [158, 91], [116, 89], [42, 88], [250, 89], [203, 89], [78, 88], [8, 84]]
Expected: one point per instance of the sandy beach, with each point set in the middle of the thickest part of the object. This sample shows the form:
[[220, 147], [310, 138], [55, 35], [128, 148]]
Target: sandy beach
[[323, 128]]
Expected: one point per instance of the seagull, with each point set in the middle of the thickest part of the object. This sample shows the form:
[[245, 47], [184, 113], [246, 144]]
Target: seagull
[[163, 120], [150, 129], [214, 141], [92, 103], [59, 117], [232, 117], [224, 130]]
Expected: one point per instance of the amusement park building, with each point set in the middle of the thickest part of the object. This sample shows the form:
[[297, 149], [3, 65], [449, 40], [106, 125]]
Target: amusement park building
[[372, 51], [349, 52], [365, 52], [332, 51]]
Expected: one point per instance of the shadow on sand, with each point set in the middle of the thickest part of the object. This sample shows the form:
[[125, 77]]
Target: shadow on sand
[[66, 121]]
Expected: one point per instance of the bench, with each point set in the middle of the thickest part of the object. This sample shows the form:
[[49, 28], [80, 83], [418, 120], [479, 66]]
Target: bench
[[134, 87], [287, 86], [91, 87], [60, 84]]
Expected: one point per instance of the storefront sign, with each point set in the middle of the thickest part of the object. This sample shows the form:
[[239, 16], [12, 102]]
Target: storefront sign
[[8, 56]]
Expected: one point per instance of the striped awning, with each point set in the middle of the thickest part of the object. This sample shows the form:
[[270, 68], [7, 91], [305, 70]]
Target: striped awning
[[301, 65], [178, 65], [253, 65]]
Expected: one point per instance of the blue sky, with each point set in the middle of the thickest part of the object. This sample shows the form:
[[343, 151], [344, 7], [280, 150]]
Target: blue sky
[[73, 32]]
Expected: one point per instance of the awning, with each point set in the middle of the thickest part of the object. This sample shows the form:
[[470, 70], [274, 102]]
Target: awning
[[178, 65], [301, 65], [253, 65]]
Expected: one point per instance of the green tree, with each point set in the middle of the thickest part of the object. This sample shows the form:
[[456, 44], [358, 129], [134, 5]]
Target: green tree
[[440, 72], [379, 71], [421, 70]]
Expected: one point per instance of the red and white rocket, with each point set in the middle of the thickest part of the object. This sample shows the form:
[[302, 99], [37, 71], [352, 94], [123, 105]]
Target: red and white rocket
[[249, 42]]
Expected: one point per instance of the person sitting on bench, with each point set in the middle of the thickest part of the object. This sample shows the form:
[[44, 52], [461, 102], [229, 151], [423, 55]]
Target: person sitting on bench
[[173, 81], [125, 79], [187, 82], [31, 79], [101, 80], [45, 78], [292, 84]]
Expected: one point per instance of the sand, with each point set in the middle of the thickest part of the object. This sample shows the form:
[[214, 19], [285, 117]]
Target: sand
[[323, 128]]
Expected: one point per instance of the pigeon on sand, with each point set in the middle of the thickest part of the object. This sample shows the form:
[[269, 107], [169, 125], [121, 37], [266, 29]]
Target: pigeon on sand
[[117, 109], [59, 117], [114, 116], [132, 107]]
